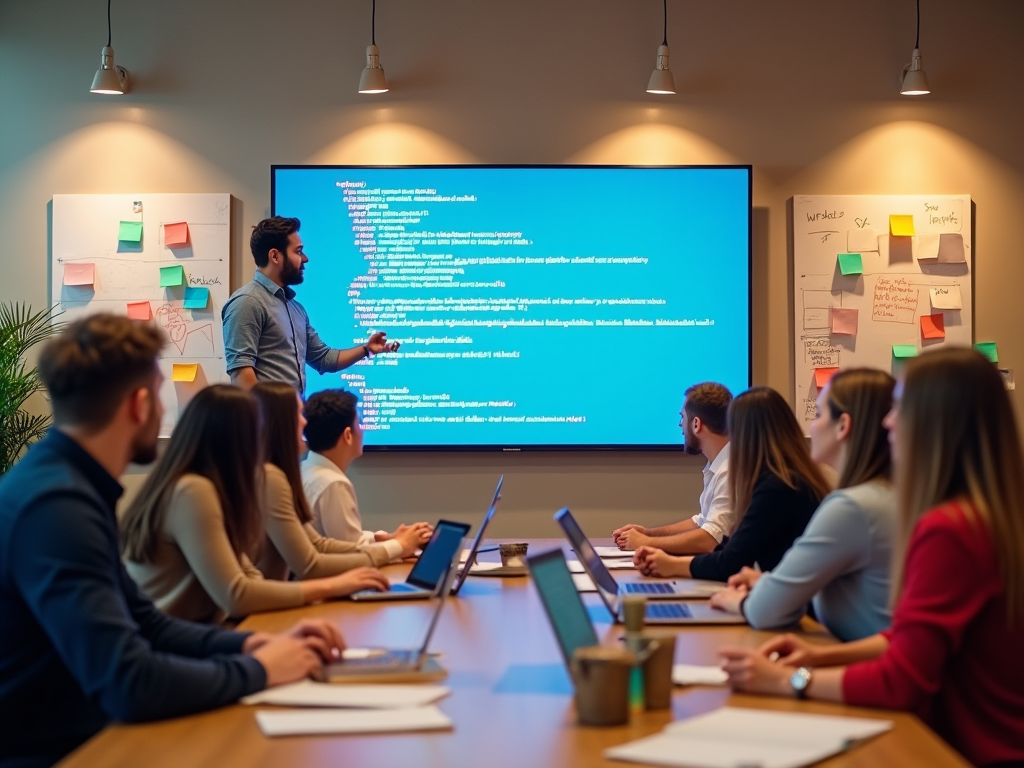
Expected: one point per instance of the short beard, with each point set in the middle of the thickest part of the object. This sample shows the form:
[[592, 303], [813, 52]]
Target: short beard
[[291, 275], [692, 447], [144, 454]]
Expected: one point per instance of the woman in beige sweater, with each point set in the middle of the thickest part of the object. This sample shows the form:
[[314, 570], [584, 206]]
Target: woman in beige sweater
[[293, 544], [190, 537]]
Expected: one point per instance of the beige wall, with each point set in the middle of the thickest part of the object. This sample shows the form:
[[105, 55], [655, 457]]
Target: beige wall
[[805, 91]]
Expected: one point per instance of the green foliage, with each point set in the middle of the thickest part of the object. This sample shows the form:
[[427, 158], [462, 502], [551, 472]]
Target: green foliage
[[20, 330]]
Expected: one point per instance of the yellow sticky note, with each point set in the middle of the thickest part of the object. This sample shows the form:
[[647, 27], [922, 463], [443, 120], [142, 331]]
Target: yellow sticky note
[[901, 225], [185, 372]]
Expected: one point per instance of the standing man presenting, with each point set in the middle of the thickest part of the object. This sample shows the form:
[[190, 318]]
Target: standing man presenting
[[267, 335]]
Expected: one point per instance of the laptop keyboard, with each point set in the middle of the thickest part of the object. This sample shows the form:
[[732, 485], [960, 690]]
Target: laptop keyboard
[[384, 662], [649, 588], [668, 611]]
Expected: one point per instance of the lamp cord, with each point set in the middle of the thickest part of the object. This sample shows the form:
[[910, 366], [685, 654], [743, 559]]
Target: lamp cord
[[917, 43], [108, 23], [665, 4], [373, 23]]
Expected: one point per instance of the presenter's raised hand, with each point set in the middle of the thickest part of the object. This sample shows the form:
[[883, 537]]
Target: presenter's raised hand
[[356, 580], [378, 343]]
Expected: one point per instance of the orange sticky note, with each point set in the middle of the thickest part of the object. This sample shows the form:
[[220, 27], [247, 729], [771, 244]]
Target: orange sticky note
[[823, 375], [79, 273], [933, 326], [176, 235], [185, 372], [139, 310], [844, 321]]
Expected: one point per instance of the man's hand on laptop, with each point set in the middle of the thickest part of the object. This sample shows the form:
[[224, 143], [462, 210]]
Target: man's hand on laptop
[[357, 580], [297, 653]]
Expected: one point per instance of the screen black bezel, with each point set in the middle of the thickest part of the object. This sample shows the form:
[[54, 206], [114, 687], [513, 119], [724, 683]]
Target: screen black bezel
[[567, 447]]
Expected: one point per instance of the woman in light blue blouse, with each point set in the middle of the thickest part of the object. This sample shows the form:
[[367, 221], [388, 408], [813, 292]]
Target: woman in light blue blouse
[[842, 560]]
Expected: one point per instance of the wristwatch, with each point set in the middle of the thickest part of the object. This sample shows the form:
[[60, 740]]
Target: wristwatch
[[799, 680], [366, 351]]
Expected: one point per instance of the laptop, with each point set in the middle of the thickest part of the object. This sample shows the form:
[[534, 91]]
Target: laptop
[[384, 665], [425, 577], [475, 547], [562, 602], [659, 611]]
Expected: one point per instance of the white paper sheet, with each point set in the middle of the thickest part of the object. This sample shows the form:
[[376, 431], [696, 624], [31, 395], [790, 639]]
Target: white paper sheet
[[620, 565], [926, 246], [313, 721], [583, 583], [311, 694], [946, 297], [689, 674], [613, 552], [575, 566], [861, 240]]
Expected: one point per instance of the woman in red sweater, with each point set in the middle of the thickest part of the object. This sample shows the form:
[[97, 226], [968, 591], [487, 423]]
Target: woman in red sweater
[[952, 655]]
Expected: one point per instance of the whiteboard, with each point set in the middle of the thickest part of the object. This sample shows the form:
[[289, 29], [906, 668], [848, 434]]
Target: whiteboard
[[86, 230], [890, 295]]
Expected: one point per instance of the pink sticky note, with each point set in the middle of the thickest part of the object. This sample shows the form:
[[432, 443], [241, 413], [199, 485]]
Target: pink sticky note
[[79, 273], [140, 310], [933, 326], [822, 376], [176, 235], [844, 321]]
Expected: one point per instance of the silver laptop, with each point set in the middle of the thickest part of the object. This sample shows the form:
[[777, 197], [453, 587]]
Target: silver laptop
[[475, 547], [424, 579], [393, 666], [660, 611]]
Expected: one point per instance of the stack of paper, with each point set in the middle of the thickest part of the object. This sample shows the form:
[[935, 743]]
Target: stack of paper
[[731, 736], [613, 552], [689, 674], [310, 694]]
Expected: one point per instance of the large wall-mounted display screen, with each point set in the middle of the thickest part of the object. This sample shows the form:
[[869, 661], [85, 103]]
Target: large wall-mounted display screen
[[537, 307]]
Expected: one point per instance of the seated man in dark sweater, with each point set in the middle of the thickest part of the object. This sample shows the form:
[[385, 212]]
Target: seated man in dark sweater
[[79, 643]]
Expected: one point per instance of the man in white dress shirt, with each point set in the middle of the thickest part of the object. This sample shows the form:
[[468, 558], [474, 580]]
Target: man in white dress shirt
[[705, 430], [335, 439]]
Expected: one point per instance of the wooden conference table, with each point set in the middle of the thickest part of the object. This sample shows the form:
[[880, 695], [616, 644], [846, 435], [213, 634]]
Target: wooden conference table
[[511, 699]]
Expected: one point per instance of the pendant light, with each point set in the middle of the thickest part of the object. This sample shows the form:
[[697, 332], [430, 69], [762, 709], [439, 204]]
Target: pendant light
[[110, 78], [372, 80], [661, 81], [914, 81]]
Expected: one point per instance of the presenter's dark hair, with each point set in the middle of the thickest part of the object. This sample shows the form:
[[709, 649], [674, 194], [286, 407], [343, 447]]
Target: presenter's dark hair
[[217, 437], [709, 402], [328, 414], [764, 437], [279, 408], [270, 234], [92, 366]]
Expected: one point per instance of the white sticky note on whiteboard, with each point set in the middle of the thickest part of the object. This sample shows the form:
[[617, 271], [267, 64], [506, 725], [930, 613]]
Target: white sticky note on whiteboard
[[951, 248], [861, 240], [947, 297], [926, 247]]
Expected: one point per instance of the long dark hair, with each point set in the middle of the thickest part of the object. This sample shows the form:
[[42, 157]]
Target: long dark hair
[[764, 437], [866, 395], [218, 437], [279, 409]]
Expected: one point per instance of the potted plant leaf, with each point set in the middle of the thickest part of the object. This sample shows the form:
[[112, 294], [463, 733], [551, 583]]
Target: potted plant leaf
[[20, 330]]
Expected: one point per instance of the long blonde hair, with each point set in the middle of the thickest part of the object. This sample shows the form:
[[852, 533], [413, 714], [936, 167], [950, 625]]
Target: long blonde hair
[[957, 439], [765, 437]]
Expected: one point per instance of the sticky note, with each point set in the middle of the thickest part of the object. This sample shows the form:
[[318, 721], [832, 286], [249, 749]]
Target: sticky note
[[823, 375], [130, 232], [139, 310], [933, 326], [171, 276], [79, 273], [947, 297], [951, 248], [901, 225], [926, 247], [904, 350], [861, 240], [844, 321], [196, 298], [185, 372], [176, 235], [988, 349], [851, 264]]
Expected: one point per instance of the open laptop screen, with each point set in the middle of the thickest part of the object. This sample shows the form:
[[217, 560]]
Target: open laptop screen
[[562, 601], [603, 579], [438, 554]]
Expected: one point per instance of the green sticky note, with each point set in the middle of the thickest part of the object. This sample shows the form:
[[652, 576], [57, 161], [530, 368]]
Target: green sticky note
[[988, 349], [851, 264], [904, 350], [171, 276], [196, 298], [130, 232]]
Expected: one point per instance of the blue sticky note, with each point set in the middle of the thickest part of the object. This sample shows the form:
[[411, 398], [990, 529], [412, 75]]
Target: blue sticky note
[[196, 298]]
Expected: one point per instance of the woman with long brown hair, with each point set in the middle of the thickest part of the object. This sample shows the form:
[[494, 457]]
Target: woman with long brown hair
[[841, 563], [772, 478], [292, 543], [952, 655], [190, 537]]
